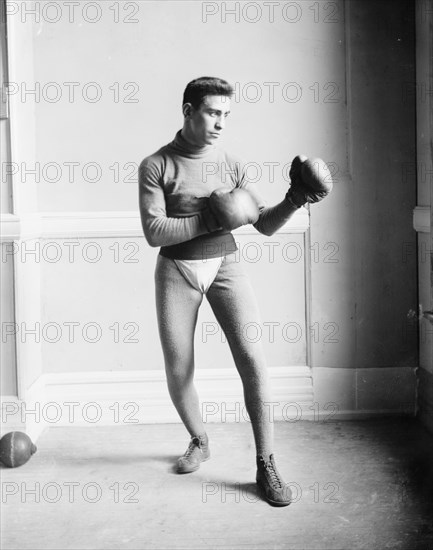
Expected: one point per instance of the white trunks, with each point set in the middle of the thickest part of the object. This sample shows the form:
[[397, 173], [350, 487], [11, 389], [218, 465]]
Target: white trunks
[[200, 273]]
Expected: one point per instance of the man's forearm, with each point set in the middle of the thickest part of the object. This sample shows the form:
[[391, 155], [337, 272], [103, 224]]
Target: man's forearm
[[165, 231], [274, 217]]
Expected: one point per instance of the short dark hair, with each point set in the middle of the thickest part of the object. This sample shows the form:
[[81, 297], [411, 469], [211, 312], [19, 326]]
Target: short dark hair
[[197, 89]]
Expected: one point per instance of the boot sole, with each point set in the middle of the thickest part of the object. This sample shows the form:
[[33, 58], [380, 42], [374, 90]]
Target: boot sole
[[190, 470], [276, 503]]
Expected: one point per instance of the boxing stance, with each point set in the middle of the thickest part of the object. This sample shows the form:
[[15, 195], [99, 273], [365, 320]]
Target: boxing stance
[[192, 194]]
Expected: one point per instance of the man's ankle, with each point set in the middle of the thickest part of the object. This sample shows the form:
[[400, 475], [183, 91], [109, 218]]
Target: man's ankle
[[266, 456], [203, 438], [198, 451]]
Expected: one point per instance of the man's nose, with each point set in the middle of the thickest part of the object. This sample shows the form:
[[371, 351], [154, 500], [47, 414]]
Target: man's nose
[[220, 123]]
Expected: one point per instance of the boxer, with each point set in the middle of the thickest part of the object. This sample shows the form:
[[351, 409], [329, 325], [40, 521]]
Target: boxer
[[190, 212]]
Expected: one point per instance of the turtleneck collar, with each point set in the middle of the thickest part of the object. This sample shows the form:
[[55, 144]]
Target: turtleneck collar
[[186, 149]]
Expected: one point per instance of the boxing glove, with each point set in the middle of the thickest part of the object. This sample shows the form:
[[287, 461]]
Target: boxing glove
[[233, 208], [311, 181]]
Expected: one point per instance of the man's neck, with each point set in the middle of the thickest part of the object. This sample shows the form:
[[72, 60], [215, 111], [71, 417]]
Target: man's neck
[[189, 138], [188, 149]]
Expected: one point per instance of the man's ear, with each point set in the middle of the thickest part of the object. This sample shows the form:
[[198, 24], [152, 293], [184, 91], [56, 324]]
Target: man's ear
[[187, 109]]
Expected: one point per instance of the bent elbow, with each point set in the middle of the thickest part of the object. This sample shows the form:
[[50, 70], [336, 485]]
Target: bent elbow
[[149, 235], [152, 240], [149, 232], [267, 233], [263, 230]]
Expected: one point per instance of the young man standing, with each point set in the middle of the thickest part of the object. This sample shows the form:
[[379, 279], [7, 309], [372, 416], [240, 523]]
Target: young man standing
[[189, 211]]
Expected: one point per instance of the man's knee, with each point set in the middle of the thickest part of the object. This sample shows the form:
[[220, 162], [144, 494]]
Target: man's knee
[[179, 378]]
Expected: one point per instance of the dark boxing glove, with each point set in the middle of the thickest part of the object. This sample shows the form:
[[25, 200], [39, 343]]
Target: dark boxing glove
[[311, 181], [233, 208]]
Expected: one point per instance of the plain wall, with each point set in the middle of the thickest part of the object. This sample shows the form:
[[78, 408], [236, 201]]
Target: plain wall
[[351, 288], [172, 43], [289, 79], [370, 292]]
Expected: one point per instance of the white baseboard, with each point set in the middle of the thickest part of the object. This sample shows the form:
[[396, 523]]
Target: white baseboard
[[10, 415], [22, 415], [425, 399], [367, 392], [110, 398], [421, 219], [141, 397]]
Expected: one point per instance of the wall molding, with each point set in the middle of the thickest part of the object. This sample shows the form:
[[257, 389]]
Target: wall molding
[[21, 414], [366, 392], [141, 397], [104, 224], [110, 398], [9, 227], [421, 219], [10, 415], [425, 398]]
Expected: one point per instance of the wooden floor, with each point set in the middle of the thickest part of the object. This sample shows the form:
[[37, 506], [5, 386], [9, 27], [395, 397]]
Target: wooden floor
[[358, 484]]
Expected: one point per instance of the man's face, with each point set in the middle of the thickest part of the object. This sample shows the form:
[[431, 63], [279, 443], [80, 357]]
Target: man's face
[[205, 124]]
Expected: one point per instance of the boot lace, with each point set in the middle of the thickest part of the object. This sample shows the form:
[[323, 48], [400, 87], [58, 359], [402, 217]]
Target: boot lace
[[273, 475], [194, 443]]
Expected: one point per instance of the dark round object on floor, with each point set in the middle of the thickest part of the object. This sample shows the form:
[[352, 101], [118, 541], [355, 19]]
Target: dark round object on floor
[[16, 448]]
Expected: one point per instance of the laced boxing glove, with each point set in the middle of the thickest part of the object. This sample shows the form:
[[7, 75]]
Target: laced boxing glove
[[311, 181], [233, 208]]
